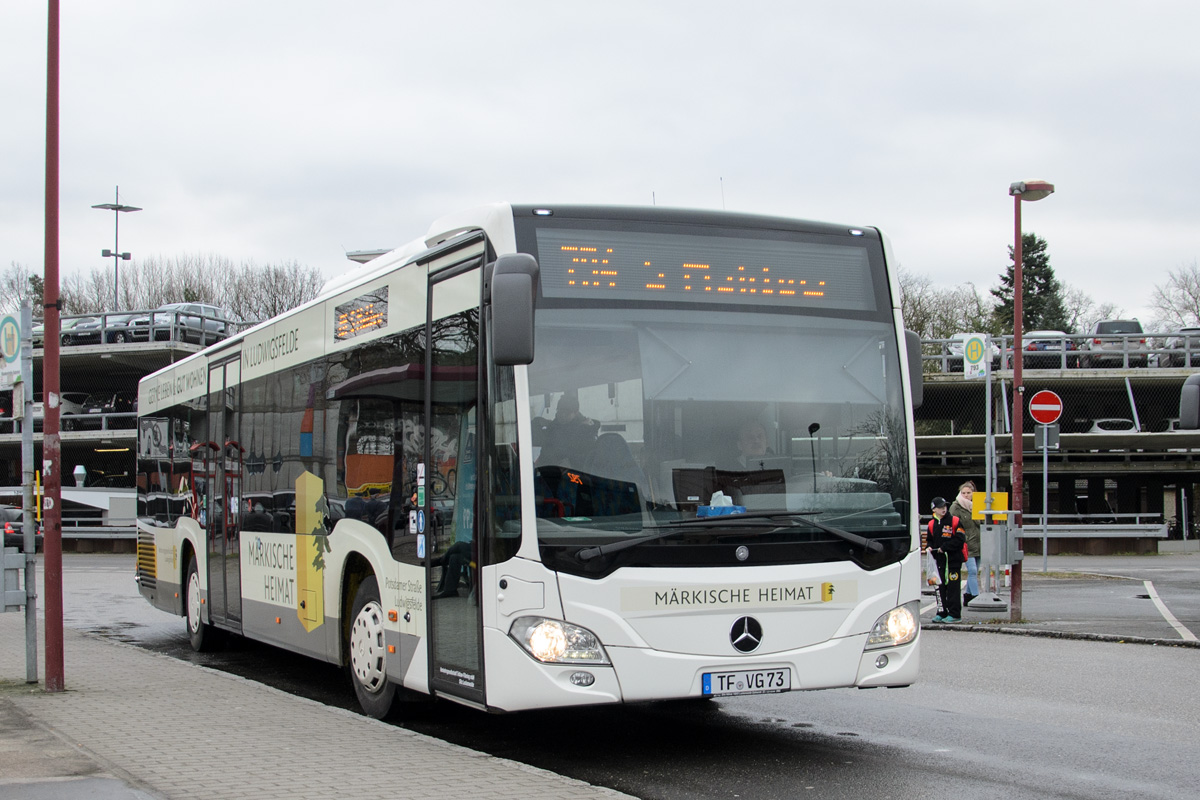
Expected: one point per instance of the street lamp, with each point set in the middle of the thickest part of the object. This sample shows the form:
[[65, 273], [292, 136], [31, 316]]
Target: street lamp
[[1027, 191], [116, 253]]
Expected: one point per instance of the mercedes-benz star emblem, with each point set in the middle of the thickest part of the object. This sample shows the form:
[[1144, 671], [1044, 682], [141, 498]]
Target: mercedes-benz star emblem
[[746, 635], [742, 552]]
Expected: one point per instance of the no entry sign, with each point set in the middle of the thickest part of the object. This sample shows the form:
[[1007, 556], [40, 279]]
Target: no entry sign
[[1045, 407]]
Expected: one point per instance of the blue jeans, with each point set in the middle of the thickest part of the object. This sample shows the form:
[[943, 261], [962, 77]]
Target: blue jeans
[[973, 576]]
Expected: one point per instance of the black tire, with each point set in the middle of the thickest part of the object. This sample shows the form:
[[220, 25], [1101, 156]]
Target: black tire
[[366, 649], [119, 338], [203, 635], [68, 424]]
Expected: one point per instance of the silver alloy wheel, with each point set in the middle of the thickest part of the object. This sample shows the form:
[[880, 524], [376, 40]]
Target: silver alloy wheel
[[367, 648], [193, 602]]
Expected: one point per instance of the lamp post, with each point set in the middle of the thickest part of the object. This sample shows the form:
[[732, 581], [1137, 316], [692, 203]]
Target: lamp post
[[116, 253], [1027, 191]]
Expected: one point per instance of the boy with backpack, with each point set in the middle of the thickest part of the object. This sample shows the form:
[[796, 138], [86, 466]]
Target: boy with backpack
[[946, 540]]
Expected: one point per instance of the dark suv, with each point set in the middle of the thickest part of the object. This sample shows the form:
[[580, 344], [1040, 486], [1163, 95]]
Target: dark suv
[[91, 417]]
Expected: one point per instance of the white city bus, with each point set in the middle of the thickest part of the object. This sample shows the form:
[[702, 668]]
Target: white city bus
[[555, 456]]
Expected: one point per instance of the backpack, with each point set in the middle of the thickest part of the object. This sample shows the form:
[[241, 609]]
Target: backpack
[[955, 524]]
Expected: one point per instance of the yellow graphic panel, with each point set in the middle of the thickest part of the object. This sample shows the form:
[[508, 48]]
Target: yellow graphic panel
[[979, 503], [312, 542]]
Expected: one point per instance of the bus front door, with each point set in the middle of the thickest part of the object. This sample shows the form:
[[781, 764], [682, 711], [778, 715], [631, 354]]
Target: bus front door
[[447, 501], [222, 507]]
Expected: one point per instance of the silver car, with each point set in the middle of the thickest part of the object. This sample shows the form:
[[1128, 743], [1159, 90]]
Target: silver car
[[1184, 347], [1045, 350], [1111, 341]]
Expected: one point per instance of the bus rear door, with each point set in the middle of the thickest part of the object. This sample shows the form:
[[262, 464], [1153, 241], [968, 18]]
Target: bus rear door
[[223, 508]]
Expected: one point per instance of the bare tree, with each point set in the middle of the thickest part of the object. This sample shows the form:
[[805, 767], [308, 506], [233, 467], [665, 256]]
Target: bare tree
[[1177, 303], [18, 285], [917, 302], [249, 291], [940, 312], [260, 293], [1083, 312]]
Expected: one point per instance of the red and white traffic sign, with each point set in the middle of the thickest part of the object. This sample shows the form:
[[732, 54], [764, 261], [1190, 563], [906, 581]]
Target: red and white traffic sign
[[1045, 407]]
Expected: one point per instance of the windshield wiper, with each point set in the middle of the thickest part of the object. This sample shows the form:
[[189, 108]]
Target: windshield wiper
[[665, 532], [755, 519], [791, 516]]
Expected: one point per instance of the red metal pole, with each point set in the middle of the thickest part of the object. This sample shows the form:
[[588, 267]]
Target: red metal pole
[[1018, 422], [51, 449]]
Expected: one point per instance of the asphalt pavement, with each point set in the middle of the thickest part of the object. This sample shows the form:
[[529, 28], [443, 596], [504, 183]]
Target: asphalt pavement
[[138, 725], [1150, 599]]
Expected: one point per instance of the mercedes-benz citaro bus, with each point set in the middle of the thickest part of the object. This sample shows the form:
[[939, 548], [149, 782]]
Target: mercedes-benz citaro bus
[[553, 456]]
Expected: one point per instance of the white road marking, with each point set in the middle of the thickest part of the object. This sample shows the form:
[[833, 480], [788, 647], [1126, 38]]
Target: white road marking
[[1183, 632]]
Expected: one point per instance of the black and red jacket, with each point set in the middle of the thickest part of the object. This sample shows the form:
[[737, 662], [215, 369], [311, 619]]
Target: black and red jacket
[[947, 538]]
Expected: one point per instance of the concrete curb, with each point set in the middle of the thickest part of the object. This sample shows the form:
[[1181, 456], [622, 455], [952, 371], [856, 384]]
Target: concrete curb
[[1045, 634]]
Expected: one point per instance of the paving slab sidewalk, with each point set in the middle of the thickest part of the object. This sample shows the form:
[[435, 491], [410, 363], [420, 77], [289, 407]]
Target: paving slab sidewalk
[[135, 724]]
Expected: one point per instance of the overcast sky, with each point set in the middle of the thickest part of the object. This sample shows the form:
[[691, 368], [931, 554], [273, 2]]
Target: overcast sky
[[296, 130]]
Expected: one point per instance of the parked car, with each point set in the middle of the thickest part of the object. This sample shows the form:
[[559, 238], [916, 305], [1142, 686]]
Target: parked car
[[1111, 340], [1112, 425], [107, 328], [954, 352], [1173, 427], [65, 327], [98, 404], [70, 403], [13, 520], [186, 322], [1045, 350], [1184, 347]]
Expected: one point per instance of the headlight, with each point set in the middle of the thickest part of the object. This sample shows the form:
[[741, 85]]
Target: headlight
[[556, 642], [896, 627]]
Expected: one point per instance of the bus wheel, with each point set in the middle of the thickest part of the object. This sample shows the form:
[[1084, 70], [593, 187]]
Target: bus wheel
[[203, 636], [368, 652]]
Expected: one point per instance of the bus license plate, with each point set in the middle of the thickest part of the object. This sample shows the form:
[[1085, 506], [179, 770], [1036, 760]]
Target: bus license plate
[[759, 681]]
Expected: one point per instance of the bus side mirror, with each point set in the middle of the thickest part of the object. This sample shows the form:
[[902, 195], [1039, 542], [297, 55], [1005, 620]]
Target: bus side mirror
[[916, 371], [1189, 404], [514, 298]]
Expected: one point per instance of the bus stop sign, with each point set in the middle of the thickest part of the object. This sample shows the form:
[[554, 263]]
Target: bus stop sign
[[1045, 407], [10, 351]]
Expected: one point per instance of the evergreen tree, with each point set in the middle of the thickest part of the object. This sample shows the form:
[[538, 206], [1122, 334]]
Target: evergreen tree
[[1041, 295]]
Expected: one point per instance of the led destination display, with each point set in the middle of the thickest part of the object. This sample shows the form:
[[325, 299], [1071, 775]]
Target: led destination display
[[364, 313], [635, 266]]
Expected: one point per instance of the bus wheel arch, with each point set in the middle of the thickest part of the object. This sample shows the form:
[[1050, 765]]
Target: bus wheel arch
[[202, 635], [355, 569], [366, 650], [187, 553]]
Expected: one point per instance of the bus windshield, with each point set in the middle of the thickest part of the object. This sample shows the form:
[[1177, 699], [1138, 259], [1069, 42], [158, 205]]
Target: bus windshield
[[646, 418]]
